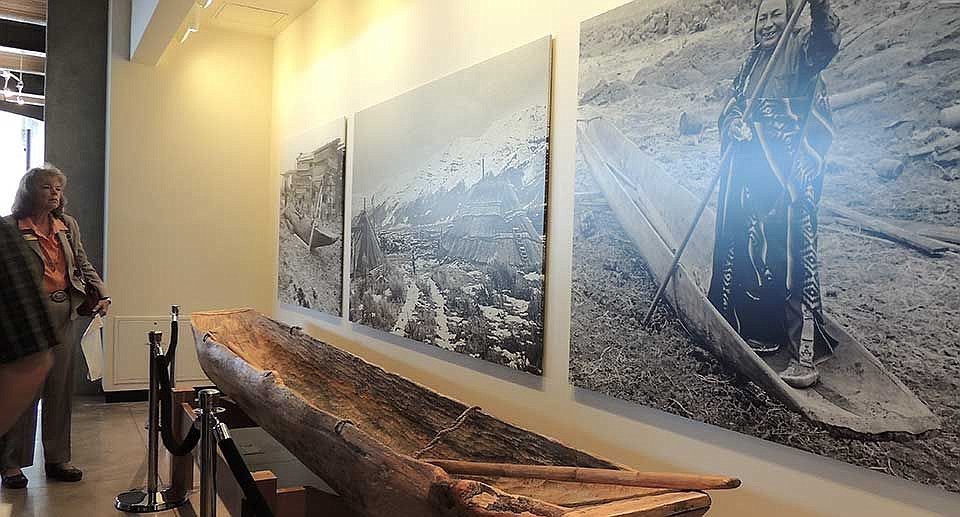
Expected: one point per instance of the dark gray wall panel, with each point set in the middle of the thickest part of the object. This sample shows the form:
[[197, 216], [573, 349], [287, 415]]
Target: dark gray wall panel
[[76, 92]]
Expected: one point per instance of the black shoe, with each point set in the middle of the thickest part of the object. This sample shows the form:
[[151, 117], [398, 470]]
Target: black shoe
[[63, 472], [16, 482]]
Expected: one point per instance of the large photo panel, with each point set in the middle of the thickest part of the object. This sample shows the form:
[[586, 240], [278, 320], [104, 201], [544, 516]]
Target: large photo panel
[[312, 168], [816, 302], [449, 200]]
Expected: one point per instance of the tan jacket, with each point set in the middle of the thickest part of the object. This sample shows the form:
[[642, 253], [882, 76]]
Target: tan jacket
[[79, 268]]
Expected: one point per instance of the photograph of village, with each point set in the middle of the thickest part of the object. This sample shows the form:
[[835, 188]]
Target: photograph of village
[[816, 303], [310, 273], [448, 211]]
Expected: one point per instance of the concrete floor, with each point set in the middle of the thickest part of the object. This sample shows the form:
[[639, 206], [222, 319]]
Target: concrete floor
[[109, 445]]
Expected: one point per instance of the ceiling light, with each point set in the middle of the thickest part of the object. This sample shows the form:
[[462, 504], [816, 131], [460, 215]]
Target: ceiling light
[[187, 33], [194, 26], [204, 3], [6, 93]]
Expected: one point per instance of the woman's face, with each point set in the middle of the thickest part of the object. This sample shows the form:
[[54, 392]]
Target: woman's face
[[771, 20], [50, 194]]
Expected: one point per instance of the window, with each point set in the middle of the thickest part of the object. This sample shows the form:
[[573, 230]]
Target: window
[[21, 147]]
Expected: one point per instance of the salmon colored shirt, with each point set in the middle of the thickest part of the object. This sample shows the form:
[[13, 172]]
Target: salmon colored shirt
[[54, 261]]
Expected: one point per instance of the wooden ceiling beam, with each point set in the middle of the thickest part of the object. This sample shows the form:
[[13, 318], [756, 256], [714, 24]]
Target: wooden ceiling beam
[[28, 11], [30, 64]]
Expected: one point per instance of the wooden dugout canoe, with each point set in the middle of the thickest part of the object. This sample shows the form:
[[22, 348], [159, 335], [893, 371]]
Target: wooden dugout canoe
[[311, 232], [856, 395], [357, 427]]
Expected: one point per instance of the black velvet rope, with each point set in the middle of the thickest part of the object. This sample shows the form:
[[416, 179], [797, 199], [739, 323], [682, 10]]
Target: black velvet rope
[[176, 447], [242, 474], [171, 355]]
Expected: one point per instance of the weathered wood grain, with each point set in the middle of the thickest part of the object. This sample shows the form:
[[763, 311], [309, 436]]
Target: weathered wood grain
[[355, 425], [656, 506]]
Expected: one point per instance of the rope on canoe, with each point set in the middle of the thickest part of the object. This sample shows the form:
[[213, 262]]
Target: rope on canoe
[[295, 329], [338, 428], [440, 434]]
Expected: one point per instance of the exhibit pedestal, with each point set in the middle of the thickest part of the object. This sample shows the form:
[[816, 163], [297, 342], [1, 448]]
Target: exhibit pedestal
[[297, 501]]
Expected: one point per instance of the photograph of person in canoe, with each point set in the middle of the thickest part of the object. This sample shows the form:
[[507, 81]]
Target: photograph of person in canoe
[[765, 271], [449, 200], [767, 223], [310, 269]]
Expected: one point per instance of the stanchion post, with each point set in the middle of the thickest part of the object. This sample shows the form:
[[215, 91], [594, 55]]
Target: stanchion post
[[208, 453], [153, 419], [152, 499], [174, 338]]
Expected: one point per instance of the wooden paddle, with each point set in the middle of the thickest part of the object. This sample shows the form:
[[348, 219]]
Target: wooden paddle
[[589, 475], [751, 102]]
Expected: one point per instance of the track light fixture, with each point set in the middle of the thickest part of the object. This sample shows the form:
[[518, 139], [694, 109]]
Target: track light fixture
[[7, 93], [194, 25]]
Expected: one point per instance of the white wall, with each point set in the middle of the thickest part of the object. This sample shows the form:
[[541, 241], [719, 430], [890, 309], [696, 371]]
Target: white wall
[[342, 56], [188, 171]]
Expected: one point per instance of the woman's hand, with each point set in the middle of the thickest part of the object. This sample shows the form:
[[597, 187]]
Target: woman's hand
[[102, 307], [740, 131]]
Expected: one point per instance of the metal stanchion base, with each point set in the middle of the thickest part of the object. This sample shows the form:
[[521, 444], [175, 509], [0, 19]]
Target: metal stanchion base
[[138, 501]]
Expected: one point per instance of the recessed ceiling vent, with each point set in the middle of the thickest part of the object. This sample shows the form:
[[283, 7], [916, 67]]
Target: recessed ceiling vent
[[250, 16]]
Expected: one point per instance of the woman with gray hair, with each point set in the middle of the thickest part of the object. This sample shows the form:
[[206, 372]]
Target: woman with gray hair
[[67, 276]]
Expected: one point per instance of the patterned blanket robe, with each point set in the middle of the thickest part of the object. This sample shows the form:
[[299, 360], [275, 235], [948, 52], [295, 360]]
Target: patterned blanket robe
[[766, 269]]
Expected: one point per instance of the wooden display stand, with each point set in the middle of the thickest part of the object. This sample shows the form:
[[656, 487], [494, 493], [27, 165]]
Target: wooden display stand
[[285, 502]]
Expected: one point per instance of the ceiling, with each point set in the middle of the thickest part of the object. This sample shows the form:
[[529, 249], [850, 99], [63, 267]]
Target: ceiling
[[23, 50], [266, 17]]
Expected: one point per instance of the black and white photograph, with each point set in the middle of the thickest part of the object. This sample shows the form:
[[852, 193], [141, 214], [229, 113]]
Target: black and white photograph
[[311, 219], [448, 210], [767, 223]]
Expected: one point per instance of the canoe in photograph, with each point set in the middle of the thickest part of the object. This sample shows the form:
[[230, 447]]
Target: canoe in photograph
[[311, 232], [856, 395], [359, 428]]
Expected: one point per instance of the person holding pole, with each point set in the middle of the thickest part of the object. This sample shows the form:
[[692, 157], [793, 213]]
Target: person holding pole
[[766, 268]]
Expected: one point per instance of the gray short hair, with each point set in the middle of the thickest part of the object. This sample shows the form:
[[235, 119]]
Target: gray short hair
[[24, 203]]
